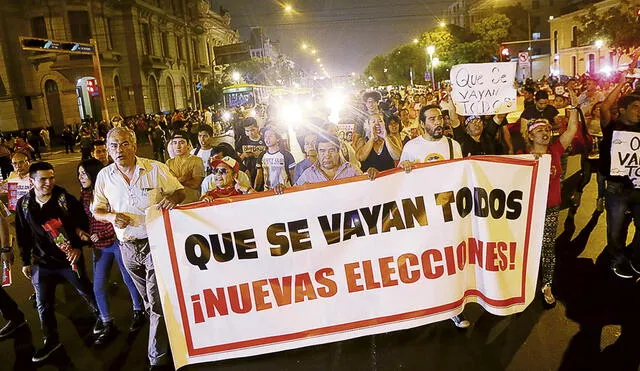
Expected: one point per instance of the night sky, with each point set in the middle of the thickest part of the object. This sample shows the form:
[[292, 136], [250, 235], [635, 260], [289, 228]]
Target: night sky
[[346, 33]]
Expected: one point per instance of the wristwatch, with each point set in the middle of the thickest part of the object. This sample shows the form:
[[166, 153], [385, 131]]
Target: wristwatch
[[5, 249]]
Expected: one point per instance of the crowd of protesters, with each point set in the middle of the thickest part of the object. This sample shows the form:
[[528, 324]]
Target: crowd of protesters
[[382, 130]]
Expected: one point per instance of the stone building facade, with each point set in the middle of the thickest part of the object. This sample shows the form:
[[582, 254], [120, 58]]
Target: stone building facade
[[151, 53], [570, 56]]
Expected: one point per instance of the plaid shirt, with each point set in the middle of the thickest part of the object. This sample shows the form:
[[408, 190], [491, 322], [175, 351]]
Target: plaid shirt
[[104, 230]]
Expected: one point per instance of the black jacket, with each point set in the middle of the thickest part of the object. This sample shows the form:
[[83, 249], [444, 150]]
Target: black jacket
[[36, 244]]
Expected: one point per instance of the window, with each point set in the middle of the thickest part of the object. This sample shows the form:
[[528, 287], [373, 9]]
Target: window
[[180, 47], [146, 39], [109, 33], [3, 90], [165, 45], [208, 53], [591, 67], [555, 42], [535, 4], [194, 50], [38, 27], [27, 102], [80, 26], [574, 65], [574, 35]]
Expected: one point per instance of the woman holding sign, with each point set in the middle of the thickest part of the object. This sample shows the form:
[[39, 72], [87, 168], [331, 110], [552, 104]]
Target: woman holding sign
[[539, 135]]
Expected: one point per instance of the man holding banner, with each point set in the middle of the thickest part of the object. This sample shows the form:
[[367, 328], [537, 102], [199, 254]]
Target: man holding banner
[[432, 146], [122, 193]]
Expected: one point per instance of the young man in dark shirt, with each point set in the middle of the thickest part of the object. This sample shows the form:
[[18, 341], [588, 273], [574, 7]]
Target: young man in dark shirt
[[250, 146], [621, 194], [540, 110], [50, 228]]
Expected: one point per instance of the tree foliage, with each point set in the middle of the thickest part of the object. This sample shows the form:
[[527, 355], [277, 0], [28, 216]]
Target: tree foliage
[[618, 26], [453, 45]]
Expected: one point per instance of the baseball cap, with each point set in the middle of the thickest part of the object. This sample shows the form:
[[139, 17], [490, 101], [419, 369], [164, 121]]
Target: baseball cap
[[230, 162]]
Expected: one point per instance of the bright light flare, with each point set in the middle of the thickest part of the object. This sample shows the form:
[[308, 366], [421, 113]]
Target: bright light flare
[[443, 23], [290, 113], [235, 75], [606, 70], [415, 41], [313, 51], [288, 8], [305, 46], [335, 100], [431, 49], [226, 116]]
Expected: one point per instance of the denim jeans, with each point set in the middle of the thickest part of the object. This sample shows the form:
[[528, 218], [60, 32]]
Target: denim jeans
[[136, 256], [8, 308], [102, 262], [617, 201], [44, 282]]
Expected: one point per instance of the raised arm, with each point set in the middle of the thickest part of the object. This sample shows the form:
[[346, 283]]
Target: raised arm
[[572, 128]]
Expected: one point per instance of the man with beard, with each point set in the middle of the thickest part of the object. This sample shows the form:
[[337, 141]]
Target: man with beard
[[432, 145], [429, 147]]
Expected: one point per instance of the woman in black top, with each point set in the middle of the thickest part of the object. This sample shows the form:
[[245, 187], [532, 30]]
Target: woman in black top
[[373, 150]]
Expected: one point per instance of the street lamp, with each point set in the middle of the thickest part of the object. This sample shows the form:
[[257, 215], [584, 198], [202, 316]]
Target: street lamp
[[443, 23], [288, 8], [235, 75], [305, 46], [430, 50], [415, 41], [599, 44]]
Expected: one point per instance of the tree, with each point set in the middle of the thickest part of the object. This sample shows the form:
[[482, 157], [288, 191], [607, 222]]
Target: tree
[[493, 29], [618, 26], [400, 62], [376, 69]]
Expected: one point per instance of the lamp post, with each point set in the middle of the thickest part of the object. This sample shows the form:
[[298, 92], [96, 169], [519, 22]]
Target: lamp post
[[599, 44], [236, 76], [430, 50]]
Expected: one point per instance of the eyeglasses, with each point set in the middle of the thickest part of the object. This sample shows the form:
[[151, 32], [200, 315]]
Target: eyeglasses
[[220, 170]]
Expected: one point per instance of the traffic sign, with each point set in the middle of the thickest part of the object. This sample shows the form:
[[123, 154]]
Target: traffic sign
[[427, 76], [46, 45], [523, 57], [198, 86]]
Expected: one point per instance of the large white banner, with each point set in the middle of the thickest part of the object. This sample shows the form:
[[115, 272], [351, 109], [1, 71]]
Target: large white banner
[[484, 88], [321, 263], [624, 155]]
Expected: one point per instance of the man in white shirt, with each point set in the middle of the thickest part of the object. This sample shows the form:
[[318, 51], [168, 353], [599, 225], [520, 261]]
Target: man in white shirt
[[432, 146], [122, 193]]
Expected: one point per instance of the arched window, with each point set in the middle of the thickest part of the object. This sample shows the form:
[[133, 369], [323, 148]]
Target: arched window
[[153, 94], [170, 94], [183, 91], [50, 86]]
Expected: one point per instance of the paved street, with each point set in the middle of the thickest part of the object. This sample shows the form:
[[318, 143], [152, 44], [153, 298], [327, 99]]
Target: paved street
[[594, 326]]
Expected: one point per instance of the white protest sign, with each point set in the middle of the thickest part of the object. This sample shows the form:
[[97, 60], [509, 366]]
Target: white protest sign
[[262, 273], [624, 156], [484, 88]]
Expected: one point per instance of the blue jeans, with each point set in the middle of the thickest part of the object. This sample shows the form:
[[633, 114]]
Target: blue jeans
[[617, 201], [44, 282], [102, 263]]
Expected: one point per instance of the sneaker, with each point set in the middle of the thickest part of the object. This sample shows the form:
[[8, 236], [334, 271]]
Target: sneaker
[[107, 333], [547, 294], [50, 346], [98, 327], [10, 327], [600, 204], [622, 270], [137, 321], [460, 321]]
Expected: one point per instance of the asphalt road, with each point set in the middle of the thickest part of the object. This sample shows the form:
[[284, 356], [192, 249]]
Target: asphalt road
[[595, 325]]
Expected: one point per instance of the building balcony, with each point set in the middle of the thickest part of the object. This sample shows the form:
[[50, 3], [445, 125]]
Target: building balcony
[[153, 62]]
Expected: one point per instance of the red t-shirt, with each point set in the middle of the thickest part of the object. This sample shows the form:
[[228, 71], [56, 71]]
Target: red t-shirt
[[220, 193], [555, 198]]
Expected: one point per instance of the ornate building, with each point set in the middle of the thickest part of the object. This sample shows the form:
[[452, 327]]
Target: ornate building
[[151, 53]]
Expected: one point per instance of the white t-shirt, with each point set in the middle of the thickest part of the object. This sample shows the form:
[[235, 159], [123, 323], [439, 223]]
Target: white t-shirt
[[421, 150], [204, 154]]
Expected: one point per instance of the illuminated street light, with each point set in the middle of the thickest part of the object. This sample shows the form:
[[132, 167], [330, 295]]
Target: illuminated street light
[[313, 51], [370, 78], [235, 75], [288, 8], [443, 23], [415, 41], [435, 61], [431, 49], [305, 46], [599, 44], [318, 60]]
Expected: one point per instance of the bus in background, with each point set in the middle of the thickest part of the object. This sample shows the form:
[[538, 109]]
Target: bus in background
[[247, 96]]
